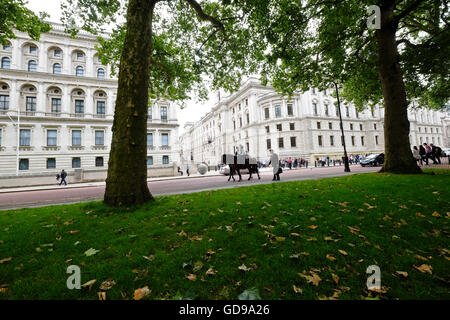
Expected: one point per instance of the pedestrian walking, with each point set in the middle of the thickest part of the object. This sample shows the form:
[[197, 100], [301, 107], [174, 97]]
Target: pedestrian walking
[[423, 155], [416, 155], [63, 177], [436, 151], [187, 170], [180, 171], [429, 152], [276, 164]]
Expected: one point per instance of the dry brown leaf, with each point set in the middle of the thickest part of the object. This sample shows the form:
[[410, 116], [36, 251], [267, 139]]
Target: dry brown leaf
[[331, 257], [5, 260], [280, 239], [191, 277], [313, 227], [141, 293], [182, 233], [107, 285], [297, 289], [243, 267], [420, 257], [72, 232], [267, 204], [295, 234], [436, 214], [335, 278], [101, 295], [196, 238], [424, 268], [89, 283], [420, 215], [211, 272], [343, 252], [402, 273]]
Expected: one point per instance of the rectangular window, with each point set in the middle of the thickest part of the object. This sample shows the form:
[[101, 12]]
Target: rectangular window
[[279, 127], [240, 122], [353, 140], [375, 127], [361, 127], [52, 138], [337, 112], [165, 139], [357, 113], [326, 110], [277, 111], [149, 113], [248, 118], [149, 161], [280, 143], [330, 125], [376, 140], [99, 138], [292, 126], [51, 163], [80, 56], [165, 159], [79, 106], [293, 142], [57, 53], [25, 137], [290, 109], [149, 139], [56, 105], [269, 144], [76, 163], [315, 109], [4, 102], [33, 49], [99, 162], [24, 164], [31, 104], [101, 107], [318, 125], [351, 126], [266, 113], [76, 138], [267, 129], [347, 112], [163, 113], [320, 141], [331, 140], [362, 141]]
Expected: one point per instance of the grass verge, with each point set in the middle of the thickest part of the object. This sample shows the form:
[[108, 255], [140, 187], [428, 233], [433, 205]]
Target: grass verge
[[295, 240]]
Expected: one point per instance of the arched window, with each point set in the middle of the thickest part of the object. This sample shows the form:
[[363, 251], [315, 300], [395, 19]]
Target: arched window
[[80, 71], [101, 73], [6, 63], [57, 68], [32, 66], [7, 46]]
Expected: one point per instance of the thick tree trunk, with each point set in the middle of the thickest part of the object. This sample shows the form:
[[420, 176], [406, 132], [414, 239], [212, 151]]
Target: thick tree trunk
[[398, 154], [126, 184]]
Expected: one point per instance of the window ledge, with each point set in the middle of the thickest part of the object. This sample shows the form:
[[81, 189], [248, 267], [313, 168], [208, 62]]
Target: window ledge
[[51, 148], [76, 147], [98, 147]]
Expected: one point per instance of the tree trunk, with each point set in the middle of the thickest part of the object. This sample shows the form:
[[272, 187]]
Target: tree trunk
[[126, 184], [398, 154]]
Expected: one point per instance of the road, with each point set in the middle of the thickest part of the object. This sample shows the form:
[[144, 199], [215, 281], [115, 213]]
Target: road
[[39, 198]]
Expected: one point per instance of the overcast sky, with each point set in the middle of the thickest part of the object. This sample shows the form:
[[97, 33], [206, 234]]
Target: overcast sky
[[191, 113]]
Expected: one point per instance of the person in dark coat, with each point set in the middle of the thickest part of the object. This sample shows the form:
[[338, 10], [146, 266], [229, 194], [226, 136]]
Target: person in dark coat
[[423, 154], [63, 177]]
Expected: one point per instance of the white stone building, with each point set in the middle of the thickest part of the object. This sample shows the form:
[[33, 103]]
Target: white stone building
[[66, 99], [256, 118]]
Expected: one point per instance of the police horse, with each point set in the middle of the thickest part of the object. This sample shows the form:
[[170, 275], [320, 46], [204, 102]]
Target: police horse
[[240, 162]]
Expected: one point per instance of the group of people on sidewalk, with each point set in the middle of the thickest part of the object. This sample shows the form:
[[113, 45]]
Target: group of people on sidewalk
[[181, 171], [426, 152]]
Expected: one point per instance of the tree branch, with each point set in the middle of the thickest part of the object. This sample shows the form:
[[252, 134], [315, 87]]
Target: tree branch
[[205, 17], [408, 10]]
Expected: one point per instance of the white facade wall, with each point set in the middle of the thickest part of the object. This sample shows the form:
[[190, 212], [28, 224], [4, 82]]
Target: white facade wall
[[364, 132], [16, 82]]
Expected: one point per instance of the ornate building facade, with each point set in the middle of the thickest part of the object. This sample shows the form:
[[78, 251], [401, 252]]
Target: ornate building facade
[[256, 119], [57, 106]]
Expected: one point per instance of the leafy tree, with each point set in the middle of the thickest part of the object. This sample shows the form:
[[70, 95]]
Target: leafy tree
[[15, 16], [166, 48], [317, 42]]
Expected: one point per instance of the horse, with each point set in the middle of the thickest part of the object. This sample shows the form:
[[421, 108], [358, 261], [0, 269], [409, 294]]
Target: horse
[[237, 163]]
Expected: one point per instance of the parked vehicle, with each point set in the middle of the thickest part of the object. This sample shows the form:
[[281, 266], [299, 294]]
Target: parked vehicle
[[373, 160], [445, 152]]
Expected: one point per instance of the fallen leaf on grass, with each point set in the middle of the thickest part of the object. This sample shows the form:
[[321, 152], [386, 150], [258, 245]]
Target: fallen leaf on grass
[[182, 233], [89, 284], [141, 293], [107, 284], [280, 239], [3, 288], [402, 273], [101, 295], [313, 227], [72, 232], [420, 215], [435, 214], [211, 272], [250, 294], [297, 289], [91, 252], [295, 234], [313, 278], [5, 260], [335, 278], [343, 252], [191, 277], [267, 204], [243, 267], [331, 257], [197, 266], [420, 257], [424, 268]]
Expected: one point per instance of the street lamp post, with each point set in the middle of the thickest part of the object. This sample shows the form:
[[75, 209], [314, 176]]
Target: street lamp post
[[346, 164]]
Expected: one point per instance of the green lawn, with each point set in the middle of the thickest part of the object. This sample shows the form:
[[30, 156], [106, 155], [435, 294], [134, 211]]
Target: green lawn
[[319, 236]]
